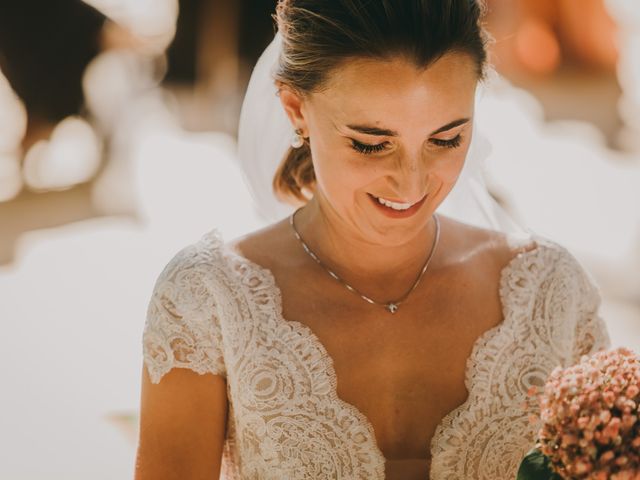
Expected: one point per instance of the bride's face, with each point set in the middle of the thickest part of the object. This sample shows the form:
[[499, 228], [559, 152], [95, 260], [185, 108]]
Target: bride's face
[[386, 129]]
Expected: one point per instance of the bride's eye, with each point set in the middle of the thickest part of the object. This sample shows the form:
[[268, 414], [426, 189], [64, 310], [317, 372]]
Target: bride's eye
[[452, 143], [367, 149]]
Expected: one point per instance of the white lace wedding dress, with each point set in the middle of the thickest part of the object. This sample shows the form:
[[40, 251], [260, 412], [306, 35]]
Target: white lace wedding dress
[[214, 311]]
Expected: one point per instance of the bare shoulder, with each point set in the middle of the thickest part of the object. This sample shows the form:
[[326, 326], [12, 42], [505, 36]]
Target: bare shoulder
[[491, 247], [264, 246]]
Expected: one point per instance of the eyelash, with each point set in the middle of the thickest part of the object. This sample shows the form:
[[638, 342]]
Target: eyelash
[[367, 149], [453, 143]]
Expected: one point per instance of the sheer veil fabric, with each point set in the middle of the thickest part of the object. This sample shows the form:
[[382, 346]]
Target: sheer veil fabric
[[264, 135]]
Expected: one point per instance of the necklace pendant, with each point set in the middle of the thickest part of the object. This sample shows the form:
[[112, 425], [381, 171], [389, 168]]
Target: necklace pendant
[[392, 307]]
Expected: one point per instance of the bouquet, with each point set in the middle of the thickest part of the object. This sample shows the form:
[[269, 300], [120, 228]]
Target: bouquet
[[590, 427]]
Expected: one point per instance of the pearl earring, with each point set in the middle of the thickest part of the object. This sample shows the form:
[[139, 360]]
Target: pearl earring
[[297, 141]]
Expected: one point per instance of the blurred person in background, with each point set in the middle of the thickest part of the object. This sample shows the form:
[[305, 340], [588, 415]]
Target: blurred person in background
[[358, 124], [44, 50], [535, 37]]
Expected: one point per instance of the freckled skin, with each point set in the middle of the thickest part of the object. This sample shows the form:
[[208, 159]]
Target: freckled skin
[[413, 102]]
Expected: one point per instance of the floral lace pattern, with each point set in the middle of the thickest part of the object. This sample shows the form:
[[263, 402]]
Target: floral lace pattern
[[214, 311]]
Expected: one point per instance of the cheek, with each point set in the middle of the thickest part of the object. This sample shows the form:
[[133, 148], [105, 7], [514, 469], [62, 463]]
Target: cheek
[[449, 166], [340, 171], [342, 178]]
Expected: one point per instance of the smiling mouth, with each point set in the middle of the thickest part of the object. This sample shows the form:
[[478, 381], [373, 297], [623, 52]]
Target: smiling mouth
[[402, 211], [396, 205]]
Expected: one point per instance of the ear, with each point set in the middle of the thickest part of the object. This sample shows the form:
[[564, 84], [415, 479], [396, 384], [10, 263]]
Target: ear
[[293, 104]]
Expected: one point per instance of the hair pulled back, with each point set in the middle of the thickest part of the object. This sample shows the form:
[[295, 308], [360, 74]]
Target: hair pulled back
[[317, 35]]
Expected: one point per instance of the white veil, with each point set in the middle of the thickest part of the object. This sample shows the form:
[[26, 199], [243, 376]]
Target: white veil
[[264, 137]]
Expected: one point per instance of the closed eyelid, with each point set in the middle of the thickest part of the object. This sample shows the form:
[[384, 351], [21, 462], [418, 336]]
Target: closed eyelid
[[450, 126], [452, 133], [383, 132]]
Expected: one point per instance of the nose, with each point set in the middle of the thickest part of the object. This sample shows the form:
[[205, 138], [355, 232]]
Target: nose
[[410, 178]]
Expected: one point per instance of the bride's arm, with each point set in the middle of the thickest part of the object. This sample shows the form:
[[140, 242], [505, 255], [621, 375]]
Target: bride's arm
[[183, 409], [182, 426]]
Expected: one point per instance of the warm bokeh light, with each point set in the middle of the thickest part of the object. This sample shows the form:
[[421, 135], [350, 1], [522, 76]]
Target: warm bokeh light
[[13, 117], [10, 176], [71, 156], [13, 124], [538, 47], [151, 21]]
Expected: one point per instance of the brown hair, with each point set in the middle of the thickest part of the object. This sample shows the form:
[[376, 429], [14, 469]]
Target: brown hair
[[318, 35]]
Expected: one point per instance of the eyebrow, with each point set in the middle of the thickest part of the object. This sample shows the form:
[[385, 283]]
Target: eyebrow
[[369, 130]]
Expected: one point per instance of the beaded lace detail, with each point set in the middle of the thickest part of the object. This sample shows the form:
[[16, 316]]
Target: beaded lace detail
[[214, 311]]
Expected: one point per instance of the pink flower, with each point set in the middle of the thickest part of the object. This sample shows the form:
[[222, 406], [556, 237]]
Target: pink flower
[[569, 439], [589, 415], [612, 428]]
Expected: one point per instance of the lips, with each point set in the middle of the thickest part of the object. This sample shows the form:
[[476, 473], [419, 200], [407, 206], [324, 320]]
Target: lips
[[399, 201], [390, 212]]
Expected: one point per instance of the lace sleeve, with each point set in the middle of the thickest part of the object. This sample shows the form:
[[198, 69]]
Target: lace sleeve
[[590, 333], [182, 328], [591, 336]]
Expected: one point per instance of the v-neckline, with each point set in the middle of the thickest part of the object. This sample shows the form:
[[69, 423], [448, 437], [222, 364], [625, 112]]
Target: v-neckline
[[309, 334]]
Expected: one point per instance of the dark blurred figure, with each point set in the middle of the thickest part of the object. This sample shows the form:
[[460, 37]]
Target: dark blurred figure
[[248, 28], [45, 47], [216, 45]]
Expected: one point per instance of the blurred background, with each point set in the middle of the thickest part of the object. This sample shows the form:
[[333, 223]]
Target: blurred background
[[118, 123]]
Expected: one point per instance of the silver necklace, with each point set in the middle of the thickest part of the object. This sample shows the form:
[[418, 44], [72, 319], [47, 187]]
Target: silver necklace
[[390, 306]]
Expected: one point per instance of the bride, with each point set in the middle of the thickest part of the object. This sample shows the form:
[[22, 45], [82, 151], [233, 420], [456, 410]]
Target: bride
[[391, 325]]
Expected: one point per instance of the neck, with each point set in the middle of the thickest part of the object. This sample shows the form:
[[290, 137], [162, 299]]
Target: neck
[[342, 248]]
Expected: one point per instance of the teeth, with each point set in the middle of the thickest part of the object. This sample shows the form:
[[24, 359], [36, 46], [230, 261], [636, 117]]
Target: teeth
[[394, 205]]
